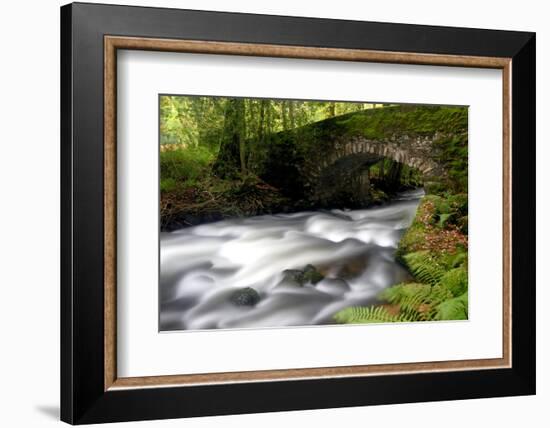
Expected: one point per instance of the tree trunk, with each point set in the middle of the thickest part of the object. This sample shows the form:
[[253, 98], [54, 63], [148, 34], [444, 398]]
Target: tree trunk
[[332, 109], [261, 122], [229, 161], [284, 115], [291, 114], [242, 140]]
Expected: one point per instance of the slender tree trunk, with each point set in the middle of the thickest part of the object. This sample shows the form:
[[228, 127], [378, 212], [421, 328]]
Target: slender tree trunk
[[291, 114], [332, 109], [261, 123], [257, 136], [268, 118], [242, 139], [284, 114]]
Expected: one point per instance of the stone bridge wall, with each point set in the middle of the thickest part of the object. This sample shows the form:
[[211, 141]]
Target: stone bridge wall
[[416, 152]]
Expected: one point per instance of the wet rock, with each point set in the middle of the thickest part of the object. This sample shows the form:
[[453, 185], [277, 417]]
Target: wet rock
[[245, 297], [312, 275], [293, 276], [301, 277]]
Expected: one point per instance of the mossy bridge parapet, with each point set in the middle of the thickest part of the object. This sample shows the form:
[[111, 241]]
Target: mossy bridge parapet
[[319, 160]]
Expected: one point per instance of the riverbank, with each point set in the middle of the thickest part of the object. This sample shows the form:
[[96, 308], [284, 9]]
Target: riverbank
[[194, 202], [435, 251], [206, 201]]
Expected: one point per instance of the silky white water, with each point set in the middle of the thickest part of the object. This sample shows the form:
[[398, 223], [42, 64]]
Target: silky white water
[[202, 267]]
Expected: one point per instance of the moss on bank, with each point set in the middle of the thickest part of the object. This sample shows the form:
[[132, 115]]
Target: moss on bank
[[440, 226]]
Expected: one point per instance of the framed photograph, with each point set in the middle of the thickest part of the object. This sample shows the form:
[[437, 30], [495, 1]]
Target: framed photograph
[[266, 213]]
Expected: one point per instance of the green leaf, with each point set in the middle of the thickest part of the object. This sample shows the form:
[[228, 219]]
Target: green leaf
[[443, 219], [367, 315], [423, 267], [456, 281], [453, 309]]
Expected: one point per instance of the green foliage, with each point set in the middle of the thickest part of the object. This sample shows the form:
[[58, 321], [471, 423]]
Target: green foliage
[[452, 152], [458, 259], [440, 287], [409, 297], [405, 119], [456, 281], [424, 267], [367, 315], [443, 217], [183, 166], [177, 125], [446, 300], [450, 210], [416, 302], [193, 121], [168, 184], [453, 309]]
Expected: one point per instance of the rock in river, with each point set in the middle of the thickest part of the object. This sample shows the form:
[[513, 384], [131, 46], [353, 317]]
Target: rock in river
[[245, 297], [301, 277], [312, 275]]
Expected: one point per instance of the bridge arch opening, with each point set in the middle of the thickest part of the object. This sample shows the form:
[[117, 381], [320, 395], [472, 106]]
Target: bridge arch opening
[[362, 179]]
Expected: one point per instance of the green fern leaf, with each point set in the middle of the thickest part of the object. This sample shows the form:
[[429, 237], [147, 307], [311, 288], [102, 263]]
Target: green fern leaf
[[400, 292], [423, 267], [443, 218], [459, 259], [456, 281], [366, 315]]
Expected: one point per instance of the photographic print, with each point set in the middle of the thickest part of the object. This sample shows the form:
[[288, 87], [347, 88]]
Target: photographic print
[[279, 212]]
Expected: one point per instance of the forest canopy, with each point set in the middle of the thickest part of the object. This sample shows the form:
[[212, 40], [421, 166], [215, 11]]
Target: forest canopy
[[195, 121]]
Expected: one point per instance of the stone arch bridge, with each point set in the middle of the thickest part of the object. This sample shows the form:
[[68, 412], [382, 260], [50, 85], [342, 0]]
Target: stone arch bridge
[[322, 159]]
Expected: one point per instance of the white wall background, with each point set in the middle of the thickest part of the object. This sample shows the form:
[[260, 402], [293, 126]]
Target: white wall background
[[29, 215]]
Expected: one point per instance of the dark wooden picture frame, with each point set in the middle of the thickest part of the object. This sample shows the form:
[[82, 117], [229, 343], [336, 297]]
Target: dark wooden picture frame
[[90, 389]]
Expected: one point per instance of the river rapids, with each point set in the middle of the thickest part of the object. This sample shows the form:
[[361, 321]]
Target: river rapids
[[242, 273]]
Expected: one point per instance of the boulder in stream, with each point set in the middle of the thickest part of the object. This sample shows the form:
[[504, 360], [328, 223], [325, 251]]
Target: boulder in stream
[[311, 274], [301, 277], [245, 297]]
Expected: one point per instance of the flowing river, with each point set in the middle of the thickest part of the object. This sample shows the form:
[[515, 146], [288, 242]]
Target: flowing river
[[281, 270]]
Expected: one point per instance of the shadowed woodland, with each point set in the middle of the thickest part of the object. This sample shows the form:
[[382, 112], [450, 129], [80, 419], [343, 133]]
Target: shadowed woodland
[[224, 158]]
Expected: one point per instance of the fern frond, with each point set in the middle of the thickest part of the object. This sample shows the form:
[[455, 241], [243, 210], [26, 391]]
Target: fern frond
[[367, 315], [459, 259], [438, 295], [456, 281], [443, 218], [423, 267], [417, 302], [397, 293], [410, 297]]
